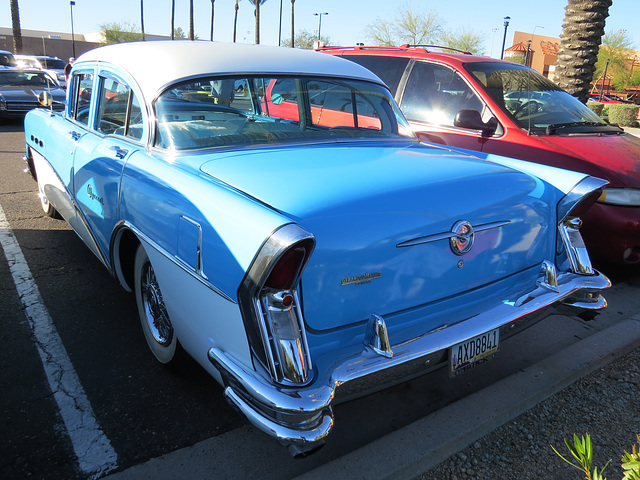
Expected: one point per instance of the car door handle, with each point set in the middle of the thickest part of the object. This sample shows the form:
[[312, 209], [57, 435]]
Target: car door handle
[[120, 153], [75, 135]]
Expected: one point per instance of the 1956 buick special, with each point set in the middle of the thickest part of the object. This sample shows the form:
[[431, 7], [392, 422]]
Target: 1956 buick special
[[277, 221]]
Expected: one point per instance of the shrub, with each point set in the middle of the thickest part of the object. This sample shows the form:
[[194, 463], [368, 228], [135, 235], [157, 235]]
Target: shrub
[[597, 107], [623, 114], [582, 452]]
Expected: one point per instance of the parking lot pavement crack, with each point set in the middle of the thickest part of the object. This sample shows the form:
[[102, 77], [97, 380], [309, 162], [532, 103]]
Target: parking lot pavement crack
[[93, 450]]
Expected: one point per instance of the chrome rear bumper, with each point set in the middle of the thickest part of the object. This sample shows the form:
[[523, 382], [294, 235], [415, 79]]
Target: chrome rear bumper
[[302, 416]]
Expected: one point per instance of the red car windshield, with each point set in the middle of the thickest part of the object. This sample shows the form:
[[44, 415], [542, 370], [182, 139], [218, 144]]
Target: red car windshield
[[533, 101]]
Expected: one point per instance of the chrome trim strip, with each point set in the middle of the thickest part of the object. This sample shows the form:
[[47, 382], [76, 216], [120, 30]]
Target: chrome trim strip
[[277, 410], [198, 266], [448, 235], [123, 224]]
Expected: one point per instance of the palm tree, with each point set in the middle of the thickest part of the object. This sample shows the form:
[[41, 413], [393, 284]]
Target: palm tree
[[142, 18], [257, 4], [173, 18], [17, 31], [235, 23], [212, 8], [191, 32], [582, 33], [293, 33]]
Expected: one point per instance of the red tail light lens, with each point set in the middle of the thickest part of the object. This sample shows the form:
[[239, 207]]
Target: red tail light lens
[[285, 273]]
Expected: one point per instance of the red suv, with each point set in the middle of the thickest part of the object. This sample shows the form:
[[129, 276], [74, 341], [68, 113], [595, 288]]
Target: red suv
[[499, 107]]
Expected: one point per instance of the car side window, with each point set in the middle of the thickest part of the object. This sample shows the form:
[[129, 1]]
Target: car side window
[[82, 93], [389, 69], [435, 94], [335, 104], [119, 110]]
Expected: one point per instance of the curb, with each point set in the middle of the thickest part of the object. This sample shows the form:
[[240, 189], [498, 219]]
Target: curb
[[418, 447]]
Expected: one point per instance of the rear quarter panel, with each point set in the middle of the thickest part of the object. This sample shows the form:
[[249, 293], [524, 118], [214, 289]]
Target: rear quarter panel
[[177, 212]]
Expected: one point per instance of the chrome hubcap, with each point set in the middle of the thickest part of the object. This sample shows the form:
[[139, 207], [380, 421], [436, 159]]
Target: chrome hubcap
[[154, 309]]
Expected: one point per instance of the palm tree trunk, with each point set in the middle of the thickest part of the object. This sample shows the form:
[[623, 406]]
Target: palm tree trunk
[[293, 33], [173, 18], [191, 32], [17, 31], [582, 33], [142, 18], [257, 22], [235, 23]]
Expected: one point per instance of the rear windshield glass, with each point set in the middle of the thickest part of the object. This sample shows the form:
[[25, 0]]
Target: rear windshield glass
[[222, 111]]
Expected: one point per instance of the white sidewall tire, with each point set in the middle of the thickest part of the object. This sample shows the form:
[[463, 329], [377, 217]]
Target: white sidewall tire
[[164, 352]]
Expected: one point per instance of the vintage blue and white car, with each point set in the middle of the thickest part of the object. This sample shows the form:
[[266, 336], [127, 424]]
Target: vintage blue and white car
[[277, 220]]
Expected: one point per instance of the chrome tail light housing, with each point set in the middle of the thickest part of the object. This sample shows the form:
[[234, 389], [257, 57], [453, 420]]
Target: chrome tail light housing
[[271, 306], [571, 251]]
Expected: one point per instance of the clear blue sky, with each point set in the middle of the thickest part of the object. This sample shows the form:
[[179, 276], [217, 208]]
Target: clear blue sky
[[345, 23]]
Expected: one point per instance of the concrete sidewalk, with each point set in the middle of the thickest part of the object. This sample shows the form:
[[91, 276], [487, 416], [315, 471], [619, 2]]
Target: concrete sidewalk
[[413, 450], [632, 131]]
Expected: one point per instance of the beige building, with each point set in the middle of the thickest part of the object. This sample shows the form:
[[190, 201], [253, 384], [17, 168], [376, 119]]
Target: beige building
[[537, 51]]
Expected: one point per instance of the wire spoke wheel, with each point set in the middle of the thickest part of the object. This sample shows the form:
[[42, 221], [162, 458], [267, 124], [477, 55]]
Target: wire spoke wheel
[[154, 318]]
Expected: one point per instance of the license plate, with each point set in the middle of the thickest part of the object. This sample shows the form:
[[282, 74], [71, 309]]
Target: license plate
[[471, 353]]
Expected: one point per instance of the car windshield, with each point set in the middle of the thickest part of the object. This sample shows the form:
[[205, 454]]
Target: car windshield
[[222, 111], [27, 79], [533, 101]]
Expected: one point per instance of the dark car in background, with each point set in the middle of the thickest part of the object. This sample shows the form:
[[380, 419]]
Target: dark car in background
[[7, 59], [19, 91], [499, 107]]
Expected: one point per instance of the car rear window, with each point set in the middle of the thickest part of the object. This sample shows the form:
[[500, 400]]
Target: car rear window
[[389, 69], [222, 111]]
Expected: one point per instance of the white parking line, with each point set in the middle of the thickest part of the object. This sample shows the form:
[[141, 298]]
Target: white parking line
[[95, 454]]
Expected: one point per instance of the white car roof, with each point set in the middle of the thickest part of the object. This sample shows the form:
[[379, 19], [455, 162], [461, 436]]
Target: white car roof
[[156, 64]]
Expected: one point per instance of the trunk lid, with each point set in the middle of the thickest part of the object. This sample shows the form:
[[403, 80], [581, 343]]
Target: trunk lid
[[361, 203]]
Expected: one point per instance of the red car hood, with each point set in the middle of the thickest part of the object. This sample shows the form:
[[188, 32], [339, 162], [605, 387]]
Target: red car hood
[[618, 154]]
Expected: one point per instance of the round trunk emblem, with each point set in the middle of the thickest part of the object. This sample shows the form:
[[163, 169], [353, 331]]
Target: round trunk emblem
[[462, 241]]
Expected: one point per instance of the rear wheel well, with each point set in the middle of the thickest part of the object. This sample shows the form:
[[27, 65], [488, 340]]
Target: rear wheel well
[[126, 244]]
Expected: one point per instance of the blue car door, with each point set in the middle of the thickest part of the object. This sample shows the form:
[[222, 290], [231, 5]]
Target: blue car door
[[101, 156]]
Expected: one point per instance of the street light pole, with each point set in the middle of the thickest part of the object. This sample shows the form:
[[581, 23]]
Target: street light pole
[[504, 38], [73, 37], [319, 15], [280, 26]]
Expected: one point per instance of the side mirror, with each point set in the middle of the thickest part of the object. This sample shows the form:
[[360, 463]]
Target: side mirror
[[45, 99], [471, 119]]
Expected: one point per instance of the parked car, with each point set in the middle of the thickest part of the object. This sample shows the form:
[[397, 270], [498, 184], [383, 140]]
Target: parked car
[[19, 91], [7, 59], [597, 97], [301, 262], [500, 107], [52, 65]]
